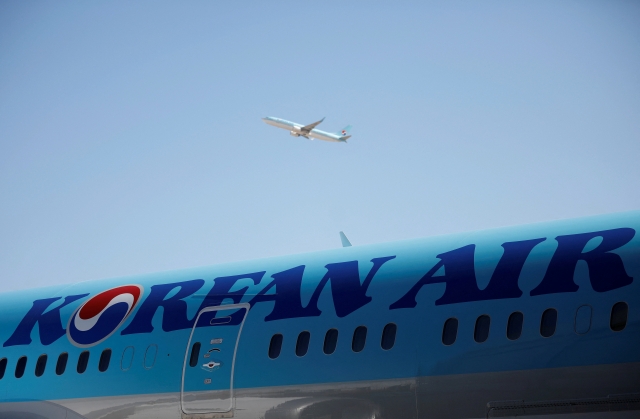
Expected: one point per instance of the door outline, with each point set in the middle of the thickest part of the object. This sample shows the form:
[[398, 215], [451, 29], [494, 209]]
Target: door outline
[[215, 413]]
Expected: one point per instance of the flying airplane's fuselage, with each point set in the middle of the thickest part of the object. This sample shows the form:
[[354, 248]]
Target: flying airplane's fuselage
[[297, 130], [533, 320]]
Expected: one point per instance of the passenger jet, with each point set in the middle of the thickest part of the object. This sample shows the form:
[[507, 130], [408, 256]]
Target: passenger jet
[[308, 131], [538, 321]]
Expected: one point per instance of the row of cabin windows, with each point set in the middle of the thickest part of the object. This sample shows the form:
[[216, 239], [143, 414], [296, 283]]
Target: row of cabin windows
[[61, 364], [358, 341], [548, 321], [83, 362]]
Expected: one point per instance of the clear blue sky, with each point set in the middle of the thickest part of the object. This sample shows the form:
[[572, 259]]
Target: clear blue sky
[[131, 138]]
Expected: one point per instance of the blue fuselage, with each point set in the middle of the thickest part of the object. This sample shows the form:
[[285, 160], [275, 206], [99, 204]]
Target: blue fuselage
[[479, 320]]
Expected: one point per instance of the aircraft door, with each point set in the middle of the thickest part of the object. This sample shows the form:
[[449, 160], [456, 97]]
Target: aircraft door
[[207, 372]]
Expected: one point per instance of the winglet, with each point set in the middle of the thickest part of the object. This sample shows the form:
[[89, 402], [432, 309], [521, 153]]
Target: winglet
[[345, 240]]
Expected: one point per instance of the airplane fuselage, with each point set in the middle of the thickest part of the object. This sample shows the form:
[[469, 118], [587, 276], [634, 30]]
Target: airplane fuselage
[[295, 130], [528, 320]]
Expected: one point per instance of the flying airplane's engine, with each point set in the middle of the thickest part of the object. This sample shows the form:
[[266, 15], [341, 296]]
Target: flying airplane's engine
[[295, 134]]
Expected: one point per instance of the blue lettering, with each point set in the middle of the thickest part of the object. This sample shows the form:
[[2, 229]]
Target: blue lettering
[[348, 294], [606, 270], [49, 323], [286, 297], [460, 276], [174, 316], [221, 290], [504, 281]]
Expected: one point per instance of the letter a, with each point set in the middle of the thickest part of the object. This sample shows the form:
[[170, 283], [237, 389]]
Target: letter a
[[460, 276]]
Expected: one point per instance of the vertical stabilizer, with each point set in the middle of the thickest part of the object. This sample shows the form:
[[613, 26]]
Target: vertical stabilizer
[[345, 240], [345, 131]]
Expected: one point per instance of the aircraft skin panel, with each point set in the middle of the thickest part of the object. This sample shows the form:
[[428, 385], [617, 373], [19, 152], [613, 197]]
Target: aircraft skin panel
[[324, 136], [416, 285], [283, 125], [447, 396]]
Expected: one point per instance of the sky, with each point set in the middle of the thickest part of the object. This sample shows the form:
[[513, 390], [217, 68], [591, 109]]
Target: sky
[[131, 138]]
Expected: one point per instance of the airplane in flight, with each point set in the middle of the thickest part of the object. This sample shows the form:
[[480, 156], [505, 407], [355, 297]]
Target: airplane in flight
[[537, 321], [308, 131]]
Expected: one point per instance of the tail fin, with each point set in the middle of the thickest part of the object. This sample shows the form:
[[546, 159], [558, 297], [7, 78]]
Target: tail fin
[[345, 133]]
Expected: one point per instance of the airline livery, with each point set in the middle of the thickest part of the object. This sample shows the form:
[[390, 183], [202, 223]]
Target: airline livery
[[539, 321], [308, 131]]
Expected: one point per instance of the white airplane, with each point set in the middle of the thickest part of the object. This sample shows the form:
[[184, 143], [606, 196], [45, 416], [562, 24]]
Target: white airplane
[[308, 131]]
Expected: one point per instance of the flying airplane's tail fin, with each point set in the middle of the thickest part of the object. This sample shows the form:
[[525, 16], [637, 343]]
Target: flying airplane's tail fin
[[345, 241], [344, 133]]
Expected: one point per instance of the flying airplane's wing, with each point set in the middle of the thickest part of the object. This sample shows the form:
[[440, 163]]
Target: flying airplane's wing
[[308, 128]]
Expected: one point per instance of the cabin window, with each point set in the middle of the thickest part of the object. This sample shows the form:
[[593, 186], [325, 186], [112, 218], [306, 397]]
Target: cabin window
[[150, 356], [388, 336], [548, 322], [20, 366], [450, 331], [619, 313], [582, 322], [275, 346], [302, 345], [105, 358], [83, 361], [359, 339], [3, 367], [330, 341], [195, 354], [127, 358], [41, 364], [481, 331], [61, 365], [514, 325]]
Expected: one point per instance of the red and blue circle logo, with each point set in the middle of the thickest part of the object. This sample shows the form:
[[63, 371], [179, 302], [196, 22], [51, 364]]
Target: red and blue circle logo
[[100, 316]]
